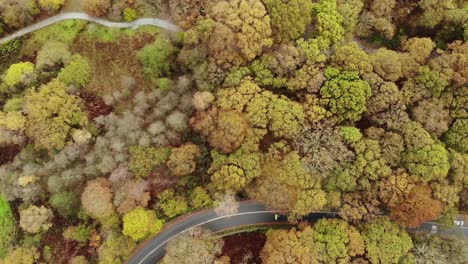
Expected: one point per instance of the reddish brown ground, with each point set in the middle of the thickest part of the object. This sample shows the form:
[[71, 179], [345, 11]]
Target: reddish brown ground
[[8, 153], [112, 60], [244, 247]]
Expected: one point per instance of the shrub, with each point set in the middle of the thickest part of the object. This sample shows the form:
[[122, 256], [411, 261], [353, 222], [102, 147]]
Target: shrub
[[130, 14], [19, 73], [157, 57], [141, 223], [7, 226], [51, 6], [96, 7], [77, 72]]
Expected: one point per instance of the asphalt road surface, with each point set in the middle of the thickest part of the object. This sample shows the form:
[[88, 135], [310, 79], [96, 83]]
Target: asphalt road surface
[[83, 16], [249, 213]]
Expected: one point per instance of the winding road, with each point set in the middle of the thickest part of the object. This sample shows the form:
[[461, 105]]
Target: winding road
[[249, 213], [83, 16]]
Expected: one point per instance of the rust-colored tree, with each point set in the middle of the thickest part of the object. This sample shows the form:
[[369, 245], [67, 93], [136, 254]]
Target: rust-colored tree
[[418, 208]]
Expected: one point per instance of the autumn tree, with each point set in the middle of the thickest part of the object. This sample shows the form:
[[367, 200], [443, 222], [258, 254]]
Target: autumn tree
[[36, 219], [285, 183], [385, 242], [378, 18], [289, 19], [96, 199], [350, 10], [53, 54], [225, 130], [51, 6], [417, 208], [21, 255], [225, 204], [360, 206], [172, 204], [144, 159], [194, 246], [344, 94], [96, 7], [183, 160], [141, 223], [289, 246], [433, 115], [396, 188], [350, 57], [433, 249], [18, 13], [241, 31], [115, 249], [52, 113], [387, 65], [264, 109]]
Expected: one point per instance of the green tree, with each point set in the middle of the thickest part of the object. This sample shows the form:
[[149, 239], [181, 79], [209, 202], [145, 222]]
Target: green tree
[[424, 157], [289, 19], [144, 159], [157, 58], [77, 72], [328, 22], [7, 227], [385, 242], [172, 204], [19, 73], [183, 160], [345, 94], [264, 109], [66, 203], [199, 198], [370, 161], [141, 223], [52, 113], [456, 136], [332, 241], [130, 14]]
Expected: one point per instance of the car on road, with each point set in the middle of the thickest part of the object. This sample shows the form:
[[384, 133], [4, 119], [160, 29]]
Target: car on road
[[434, 229]]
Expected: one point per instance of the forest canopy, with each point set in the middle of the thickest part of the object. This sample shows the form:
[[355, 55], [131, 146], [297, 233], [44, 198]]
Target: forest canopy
[[350, 106]]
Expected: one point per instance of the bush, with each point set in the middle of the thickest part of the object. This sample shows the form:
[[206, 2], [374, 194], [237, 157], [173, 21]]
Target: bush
[[51, 6], [7, 226], [96, 7], [141, 223], [19, 73], [130, 14], [157, 58], [77, 72]]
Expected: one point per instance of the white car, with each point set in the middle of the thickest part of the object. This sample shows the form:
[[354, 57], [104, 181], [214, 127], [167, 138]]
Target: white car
[[433, 229], [459, 222]]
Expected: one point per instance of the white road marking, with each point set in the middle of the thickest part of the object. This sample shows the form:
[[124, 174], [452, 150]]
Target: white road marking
[[83, 16], [211, 220]]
